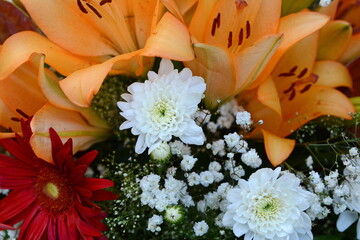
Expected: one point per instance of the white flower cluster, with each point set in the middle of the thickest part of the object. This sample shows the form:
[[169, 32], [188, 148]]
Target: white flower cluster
[[205, 178], [349, 194], [200, 228], [227, 117], [215, 200], [154, 222], [178, 148], [243, 119], [160, 198]]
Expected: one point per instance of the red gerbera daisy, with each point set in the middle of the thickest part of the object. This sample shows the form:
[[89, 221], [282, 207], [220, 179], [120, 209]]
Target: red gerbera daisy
[[54, 201]]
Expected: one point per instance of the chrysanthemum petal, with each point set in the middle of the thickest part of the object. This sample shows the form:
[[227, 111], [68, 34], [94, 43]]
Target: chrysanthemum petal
[[345, 220]]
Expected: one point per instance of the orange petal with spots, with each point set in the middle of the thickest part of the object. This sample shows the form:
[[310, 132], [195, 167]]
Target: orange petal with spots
[[243, 24], [277, 149], [295, 27], [200, 19], [66, 25], [317, 101], [294, 64], [333, 39]]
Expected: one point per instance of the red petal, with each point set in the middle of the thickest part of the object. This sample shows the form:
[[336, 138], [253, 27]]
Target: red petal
[[96, 183], [84, 228], [6, 227], [77, 173], [14, 182], [62, 232], [83, 192], [15, 167], [19, 149], [103, 195], [15, 203], [87, 158], [37, 225], [56, 146]]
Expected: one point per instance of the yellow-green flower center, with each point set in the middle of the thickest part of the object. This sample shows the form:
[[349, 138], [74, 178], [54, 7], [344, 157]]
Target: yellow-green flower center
[[51, 190], [162, 112], [267, 208]]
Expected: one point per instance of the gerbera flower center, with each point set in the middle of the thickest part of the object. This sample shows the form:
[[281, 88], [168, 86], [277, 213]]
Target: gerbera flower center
[[267, 208], [51, 190], [163, 113], [54, 192]]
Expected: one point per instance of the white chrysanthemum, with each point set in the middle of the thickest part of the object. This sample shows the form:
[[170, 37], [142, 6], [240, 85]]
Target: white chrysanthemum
[[269, 207], [163, 107]]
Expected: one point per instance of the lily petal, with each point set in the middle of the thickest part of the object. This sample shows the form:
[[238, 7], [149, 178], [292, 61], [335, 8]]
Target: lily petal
[[252, 60], [215, 65], [352, 50], [333, 39], [332, 74], [295, 27], [23, 82], [294, 64], [267, 94], [5, 118], [330, 10], [18, 48], [200, 19], [252, 20], [81, 86], [70, 23], [166, 43], [49, 85], [317, 101], [277, 149], [68, 124]]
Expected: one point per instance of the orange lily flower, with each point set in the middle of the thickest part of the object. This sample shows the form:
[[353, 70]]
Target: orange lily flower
[[85, 40], [301, 88], [32, 90], [238, 43]]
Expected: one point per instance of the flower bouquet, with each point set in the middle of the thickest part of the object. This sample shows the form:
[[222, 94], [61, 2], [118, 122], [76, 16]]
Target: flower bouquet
[[202, 119]]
